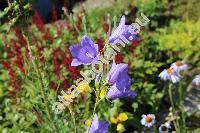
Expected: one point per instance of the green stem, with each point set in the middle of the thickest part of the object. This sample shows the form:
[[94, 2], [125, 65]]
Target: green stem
[[73, 118], [173, 107], [180, 93], [46, 102], [70, 17], [171, 97], [96, 104], [155, 129], [44, 97]]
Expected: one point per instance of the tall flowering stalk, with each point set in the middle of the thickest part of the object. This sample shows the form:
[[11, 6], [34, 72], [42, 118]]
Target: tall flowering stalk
[[118, 80]]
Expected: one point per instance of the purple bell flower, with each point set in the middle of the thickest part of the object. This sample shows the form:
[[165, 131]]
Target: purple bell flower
[[121, 32], [113, 74], [121, 88], [97, 126], [84, 53]]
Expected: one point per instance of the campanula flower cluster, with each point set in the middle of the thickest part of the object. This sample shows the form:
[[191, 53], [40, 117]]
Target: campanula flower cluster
[[117, 82]]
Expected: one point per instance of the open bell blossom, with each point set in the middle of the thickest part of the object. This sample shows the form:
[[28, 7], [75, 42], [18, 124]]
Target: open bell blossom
[[196, 80], [170, 74], [97, 126], [84, 53], [121, 88], [114, 72], [148, 120], [179, 66], [122, 31]]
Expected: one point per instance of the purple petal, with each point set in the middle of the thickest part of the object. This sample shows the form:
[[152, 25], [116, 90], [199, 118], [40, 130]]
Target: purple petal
[[98, 127], [95, 124], [84, 53], [113, 92], [121, 88], [113, 74], [122, 31], [75, 62], [74, 49], [96, 47], [103, 127]]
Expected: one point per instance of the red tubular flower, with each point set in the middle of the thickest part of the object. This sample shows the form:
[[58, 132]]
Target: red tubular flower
[[14, 83], [104, 68], [18, 60], [47, 36], [60, 58], [105, 25], [54, 16], [118, 58], [22, 41], [79, 23], [134, 44], [38, 22], [56, 63], [65, 3], [100, 44], [6, 65], [39, 52], [74, 72], [65, 84], [53, 85]]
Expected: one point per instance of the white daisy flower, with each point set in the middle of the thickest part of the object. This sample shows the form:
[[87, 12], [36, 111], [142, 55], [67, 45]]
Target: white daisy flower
[[164, 128], [196, 80], [179, 66], [148, 120], [170, 74]]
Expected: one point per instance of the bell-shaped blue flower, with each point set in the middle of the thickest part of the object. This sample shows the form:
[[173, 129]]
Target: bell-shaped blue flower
[[113, 74], [121, 88], [97, 126], [84, 53], [121, 32]]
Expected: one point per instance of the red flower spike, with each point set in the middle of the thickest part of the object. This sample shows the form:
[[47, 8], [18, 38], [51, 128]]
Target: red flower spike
[[22, 41], [38, 22], [100, 43], [65, 84], [118, 58], [53, 85], [105, 25], [79, 23], [54, 16]]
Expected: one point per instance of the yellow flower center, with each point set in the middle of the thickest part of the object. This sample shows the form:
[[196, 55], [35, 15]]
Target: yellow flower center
[[148, 119], [179, 63], [170, 71]]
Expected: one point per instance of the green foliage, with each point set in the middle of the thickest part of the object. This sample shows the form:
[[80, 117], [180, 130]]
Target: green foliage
[[180, 40]]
